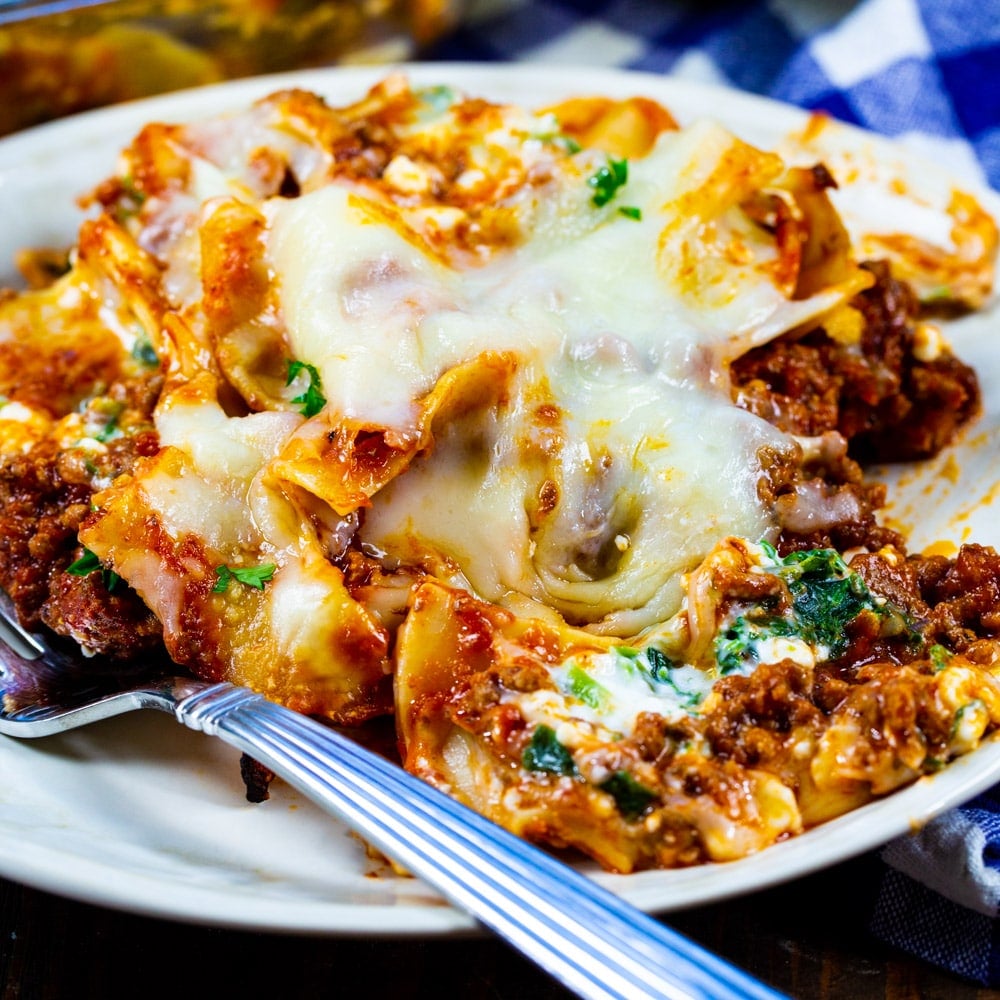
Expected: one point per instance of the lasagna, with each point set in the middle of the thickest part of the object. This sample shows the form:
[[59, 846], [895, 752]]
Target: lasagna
[[541, 431]]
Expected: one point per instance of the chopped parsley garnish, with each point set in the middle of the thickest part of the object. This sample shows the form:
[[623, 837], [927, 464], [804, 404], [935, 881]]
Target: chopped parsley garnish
[[631, 797], [89, 563], [608, 180], [546, 753], [251, 576], [630, 212], [312, 400]]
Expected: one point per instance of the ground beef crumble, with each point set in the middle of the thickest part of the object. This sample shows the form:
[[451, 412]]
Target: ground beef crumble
[[45, 494], [886, 402]]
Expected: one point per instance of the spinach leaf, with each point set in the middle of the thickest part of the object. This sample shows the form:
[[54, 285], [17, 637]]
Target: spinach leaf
[[631, 797], [546, 753]]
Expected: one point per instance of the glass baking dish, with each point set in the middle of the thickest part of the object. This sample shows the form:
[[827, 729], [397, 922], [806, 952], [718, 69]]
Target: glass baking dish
[[58, 57]]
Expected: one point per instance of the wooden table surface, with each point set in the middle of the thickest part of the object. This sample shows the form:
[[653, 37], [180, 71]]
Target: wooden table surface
[[806, 938]]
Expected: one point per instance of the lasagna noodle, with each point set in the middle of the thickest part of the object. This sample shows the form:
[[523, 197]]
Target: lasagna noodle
[[204, 502], [487, 666], [939, 238]]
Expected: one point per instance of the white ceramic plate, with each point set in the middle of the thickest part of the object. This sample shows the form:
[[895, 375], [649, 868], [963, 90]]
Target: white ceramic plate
[[140, 814]]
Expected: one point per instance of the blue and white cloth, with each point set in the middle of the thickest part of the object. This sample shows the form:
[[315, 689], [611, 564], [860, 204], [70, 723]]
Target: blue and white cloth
[[940, 895], [926, 71]]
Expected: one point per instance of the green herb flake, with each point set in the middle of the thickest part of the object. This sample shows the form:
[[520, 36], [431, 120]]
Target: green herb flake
[[632, 798], [939, 657], [628, 661], [436, 100], [143, 352], [312, 400], [940, 293], [130, 201], [607, 180], [546, 753], [250, 576], [567, 143], [111, 413], [89, 563], [560, 140], [589, 691], [970, 706], [630, 212]]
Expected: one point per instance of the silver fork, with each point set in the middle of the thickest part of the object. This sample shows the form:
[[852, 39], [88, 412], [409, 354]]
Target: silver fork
[[588, 938], [12, 11]]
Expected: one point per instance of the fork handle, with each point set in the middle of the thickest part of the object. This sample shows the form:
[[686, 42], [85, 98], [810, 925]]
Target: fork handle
[[590, 939]]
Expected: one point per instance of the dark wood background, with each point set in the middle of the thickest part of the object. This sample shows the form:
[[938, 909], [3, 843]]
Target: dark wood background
[[807, 938]]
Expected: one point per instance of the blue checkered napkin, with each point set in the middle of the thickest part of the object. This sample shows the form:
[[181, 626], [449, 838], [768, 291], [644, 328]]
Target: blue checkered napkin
[[940, 894], [924, 69]]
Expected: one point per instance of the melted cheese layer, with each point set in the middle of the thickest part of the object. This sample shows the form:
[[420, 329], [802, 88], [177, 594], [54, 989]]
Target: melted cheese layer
[[613, 457]]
